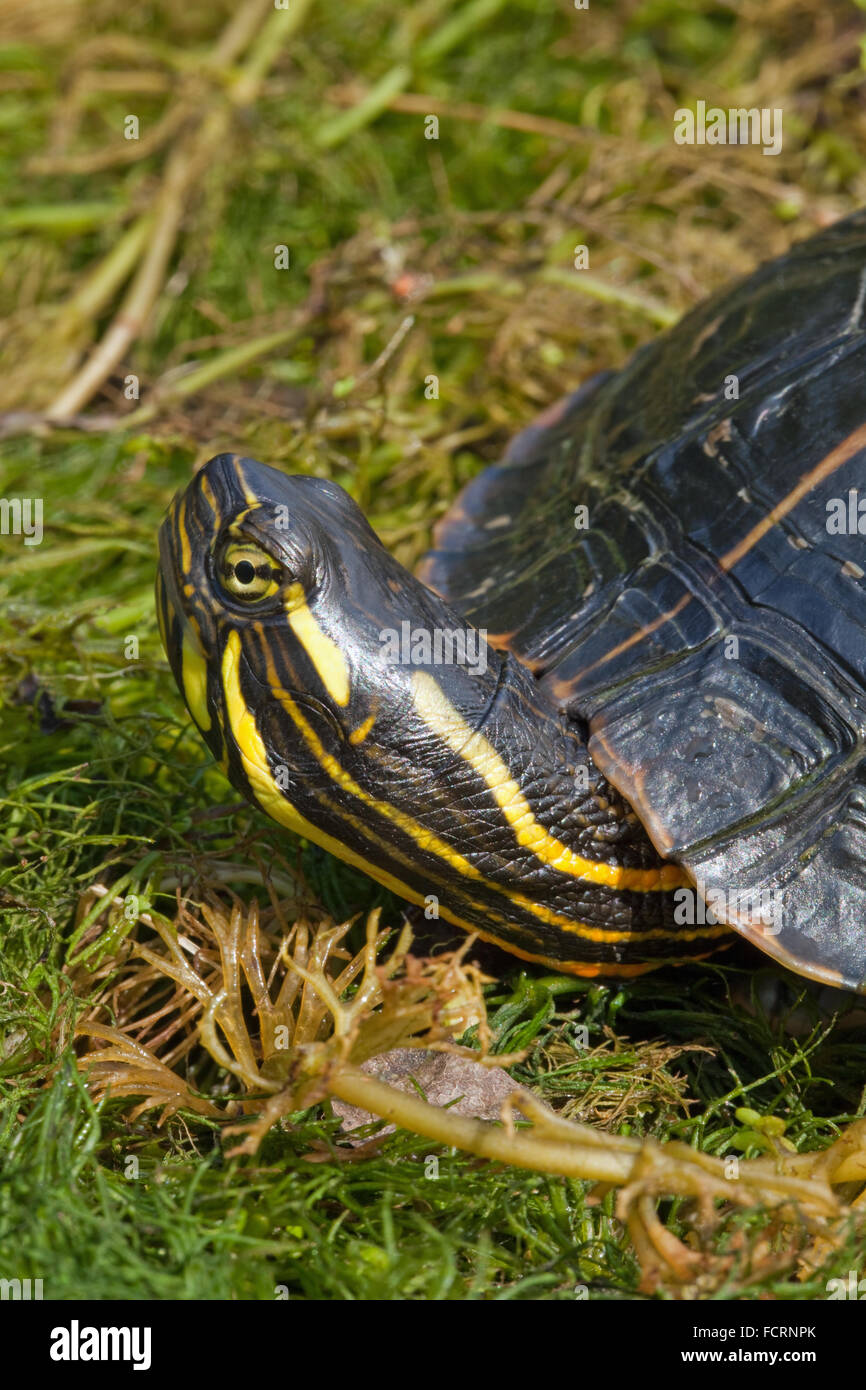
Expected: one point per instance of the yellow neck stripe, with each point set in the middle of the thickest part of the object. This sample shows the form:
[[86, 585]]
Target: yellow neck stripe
[[273, 799], [440, 716], [275, 803], [428, 842], [589, 970], [358, 735]]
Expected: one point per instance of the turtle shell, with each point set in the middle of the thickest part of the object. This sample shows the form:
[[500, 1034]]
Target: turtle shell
[[706, 613]]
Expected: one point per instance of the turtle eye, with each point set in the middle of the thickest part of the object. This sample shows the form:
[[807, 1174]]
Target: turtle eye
[[247, 572]]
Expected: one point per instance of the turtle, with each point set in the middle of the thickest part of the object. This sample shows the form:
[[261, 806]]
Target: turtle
[[617, 718]]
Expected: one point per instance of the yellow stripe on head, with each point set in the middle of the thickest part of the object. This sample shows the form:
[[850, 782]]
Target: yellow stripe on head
[[440, 716], [194, 677], [327, 658], [273, 799], [249, 496], [208, 494], [162, 610], [185, 552]]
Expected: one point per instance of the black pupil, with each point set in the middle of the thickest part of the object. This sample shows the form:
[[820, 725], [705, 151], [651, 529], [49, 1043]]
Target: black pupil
[[244, 572]]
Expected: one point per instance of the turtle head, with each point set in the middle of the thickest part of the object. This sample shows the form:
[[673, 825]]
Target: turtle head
[[298, 643]]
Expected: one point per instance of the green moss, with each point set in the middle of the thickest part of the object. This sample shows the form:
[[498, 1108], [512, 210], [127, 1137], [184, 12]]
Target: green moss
[[112, 788]]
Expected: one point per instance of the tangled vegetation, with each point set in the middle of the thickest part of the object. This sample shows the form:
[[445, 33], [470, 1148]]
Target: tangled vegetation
[[279, 264]]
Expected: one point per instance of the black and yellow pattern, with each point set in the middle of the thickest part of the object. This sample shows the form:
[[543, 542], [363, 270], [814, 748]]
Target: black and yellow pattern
[[441, 782], [674, 689]]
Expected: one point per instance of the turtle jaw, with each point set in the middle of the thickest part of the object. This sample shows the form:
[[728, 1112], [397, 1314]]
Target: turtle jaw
[[311, 691]]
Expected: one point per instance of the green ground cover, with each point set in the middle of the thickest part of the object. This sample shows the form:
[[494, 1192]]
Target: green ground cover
[[307, 131]]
